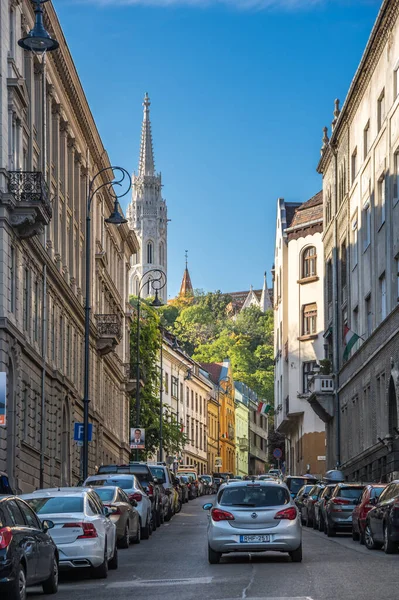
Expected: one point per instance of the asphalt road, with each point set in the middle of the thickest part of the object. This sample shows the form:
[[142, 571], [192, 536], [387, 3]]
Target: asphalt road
[[173, 564]]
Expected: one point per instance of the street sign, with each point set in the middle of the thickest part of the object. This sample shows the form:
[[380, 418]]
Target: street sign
[[277, 453], [3, 398], [78, 433], [321, 458], [218, 462]]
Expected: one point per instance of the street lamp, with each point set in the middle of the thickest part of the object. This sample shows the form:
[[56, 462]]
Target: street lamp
[[157, 283], [39, 41], [116, 218]]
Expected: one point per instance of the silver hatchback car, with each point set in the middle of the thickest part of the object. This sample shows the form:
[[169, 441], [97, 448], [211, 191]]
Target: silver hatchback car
[[253, 516]]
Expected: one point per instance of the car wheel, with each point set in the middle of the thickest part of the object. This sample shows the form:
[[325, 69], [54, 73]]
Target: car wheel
[[50, 586], [389, 547], [296, 555], [113, 563], [361, 536], [355, 535], [137, 538], [101, 572], [16, 590], [315, 524], [124, 542], [158, 518], [213, 557], [154, 521], [369, 540], [169, 514], [330, 531], [321, 524], [145, 531], [178, 507]]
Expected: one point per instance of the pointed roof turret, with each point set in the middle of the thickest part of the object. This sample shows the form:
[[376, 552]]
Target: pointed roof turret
[[146, 160], [186, 288], [265, 302]]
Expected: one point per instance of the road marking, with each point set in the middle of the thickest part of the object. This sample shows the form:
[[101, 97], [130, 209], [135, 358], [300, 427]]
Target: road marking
[[159, 582]]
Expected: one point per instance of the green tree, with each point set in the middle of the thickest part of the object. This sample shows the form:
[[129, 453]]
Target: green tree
[[150, 344]]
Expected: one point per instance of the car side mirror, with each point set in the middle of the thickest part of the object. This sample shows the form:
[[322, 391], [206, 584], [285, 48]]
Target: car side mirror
[[207, 506], [47, 524]]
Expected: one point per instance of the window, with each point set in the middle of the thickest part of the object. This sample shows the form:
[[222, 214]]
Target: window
[[396, 178], [355, 248], [354, 165], [36, 311], [309, 259], [307, 372], [383, 296], [187, 396], [196, 402], [29, 516], [181, 397], [366, 225], [53, 331], [175, 388], [381, 110], [61, 342], [309, 325], [68, 355], [26, 305], [355, 319], [150, 253], [12, 279], [381, 199], [162, 254], [369, 316], [343, 273], [366, 140], [397, 277], [396, 82], [166, 384]]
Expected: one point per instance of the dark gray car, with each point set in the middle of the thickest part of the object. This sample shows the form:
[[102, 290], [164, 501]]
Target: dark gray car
[[340, 507], [320, 506]]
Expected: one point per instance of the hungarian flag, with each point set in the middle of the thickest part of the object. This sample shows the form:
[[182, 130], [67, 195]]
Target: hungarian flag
[[263, 408], [350, 339]]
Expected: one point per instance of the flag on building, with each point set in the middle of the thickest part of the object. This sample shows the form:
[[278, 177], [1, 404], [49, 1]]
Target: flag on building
[[263, 408], [350, 339]]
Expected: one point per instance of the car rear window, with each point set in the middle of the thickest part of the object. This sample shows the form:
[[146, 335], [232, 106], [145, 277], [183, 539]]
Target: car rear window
[[295, 484], [105, 495], [126, 483], [159, 473], [376, 492], [56, 504], [252, 496], [351, 492], [192, 474]]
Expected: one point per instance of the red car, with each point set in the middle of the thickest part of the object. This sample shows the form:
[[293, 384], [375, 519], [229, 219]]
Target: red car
[[360, 512]]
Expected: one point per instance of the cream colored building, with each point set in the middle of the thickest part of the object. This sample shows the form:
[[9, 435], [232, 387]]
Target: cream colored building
[[42, 275], [298, 331], [360, 168], [185, 393]]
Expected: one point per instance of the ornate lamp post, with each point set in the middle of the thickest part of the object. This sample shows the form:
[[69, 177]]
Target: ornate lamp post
[[156, 279], [116, 218], [38, 39]]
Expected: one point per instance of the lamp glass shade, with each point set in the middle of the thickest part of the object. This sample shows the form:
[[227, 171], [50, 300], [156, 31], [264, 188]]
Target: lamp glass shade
[[156, 302], [116, 218], [38, 39]]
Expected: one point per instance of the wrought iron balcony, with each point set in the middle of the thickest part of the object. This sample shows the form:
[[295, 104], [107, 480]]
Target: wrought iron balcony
[[109, 329], [31, 209], [243, 444]]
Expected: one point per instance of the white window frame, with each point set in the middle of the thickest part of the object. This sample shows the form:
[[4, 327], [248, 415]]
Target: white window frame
[[354, 165], [366, 140], [382, 198], [383, 296], [367, 225], [355, 243], [381, 111]]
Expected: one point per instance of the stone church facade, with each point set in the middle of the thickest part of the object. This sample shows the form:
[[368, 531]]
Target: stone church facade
[[42, 275]]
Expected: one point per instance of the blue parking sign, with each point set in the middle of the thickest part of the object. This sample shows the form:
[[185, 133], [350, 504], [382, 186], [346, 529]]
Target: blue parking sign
[[78, 432]]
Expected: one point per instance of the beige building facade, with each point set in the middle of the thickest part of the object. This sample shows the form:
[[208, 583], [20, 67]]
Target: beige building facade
[[42, 268], [299, 328], [360, 169]]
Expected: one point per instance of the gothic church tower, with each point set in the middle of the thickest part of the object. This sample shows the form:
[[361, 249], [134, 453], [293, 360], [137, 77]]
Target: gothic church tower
[[147, 214]]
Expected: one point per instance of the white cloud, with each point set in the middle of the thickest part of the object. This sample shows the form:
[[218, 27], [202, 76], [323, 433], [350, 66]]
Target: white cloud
[[237, 4]]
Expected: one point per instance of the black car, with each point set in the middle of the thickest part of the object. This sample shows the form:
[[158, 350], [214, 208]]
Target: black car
[[382, 524], [154, 490], [301, 497], [308, 510], [28, 555], [295, 482]]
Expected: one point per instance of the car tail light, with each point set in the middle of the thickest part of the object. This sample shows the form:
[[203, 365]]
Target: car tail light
[[221, 515], [340, 501], [287, 513], [150, 489], [89, 531], [5, 537], [136, 496]]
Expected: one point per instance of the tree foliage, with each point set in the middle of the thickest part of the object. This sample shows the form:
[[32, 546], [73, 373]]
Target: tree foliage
[[150, 344]]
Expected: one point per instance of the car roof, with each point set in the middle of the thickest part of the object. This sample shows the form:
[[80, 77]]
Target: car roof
[[255, 483], [104, 476], [67, 491]]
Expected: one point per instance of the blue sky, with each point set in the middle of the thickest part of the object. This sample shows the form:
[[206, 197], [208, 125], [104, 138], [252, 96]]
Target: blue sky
[[240, 91]]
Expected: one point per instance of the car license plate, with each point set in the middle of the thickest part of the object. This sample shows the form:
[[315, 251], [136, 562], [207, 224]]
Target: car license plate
[[257, 539]]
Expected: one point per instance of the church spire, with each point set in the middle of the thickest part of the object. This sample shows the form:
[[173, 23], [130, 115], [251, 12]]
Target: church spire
[[186, 288], [146, 160], [265, 303]]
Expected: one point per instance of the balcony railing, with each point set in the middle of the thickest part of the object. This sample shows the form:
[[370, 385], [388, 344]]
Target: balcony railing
[[321, 384], [109, 329], [32, 209]]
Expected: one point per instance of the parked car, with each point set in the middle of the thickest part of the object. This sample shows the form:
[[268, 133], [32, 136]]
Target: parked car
[[83, 532], [295, 482], [151, 486], [382, 522], [253, 517], [208, 484], [184, 483], [165, 477], [339, 507], [361, 510], [300, 499], [217, 481], [28, 555], [123, 514], [190, 472], [320, 506], [134, 491], [308, 510], [265, 477], [275, 473]]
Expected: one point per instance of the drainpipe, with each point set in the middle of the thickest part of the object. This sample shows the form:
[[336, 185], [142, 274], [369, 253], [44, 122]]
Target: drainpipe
[[336, 320]]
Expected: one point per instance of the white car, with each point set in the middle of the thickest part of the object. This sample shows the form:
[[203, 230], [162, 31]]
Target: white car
[[84, 534], [134, 490]]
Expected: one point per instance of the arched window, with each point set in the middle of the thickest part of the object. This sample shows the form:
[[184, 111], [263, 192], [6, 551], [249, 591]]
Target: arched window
[[150, 253], [162, 254], [309, 260]]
